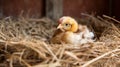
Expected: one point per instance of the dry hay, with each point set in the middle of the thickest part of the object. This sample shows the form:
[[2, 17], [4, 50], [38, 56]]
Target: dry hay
[[25, 43]]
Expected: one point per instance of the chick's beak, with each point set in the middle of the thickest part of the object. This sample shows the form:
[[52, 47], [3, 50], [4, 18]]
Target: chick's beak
[[59, 26]]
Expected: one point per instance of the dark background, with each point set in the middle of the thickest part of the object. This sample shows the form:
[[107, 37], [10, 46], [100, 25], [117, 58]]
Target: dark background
[[36, 8]]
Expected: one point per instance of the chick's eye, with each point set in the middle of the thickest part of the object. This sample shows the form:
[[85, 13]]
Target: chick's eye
[[66, 24]]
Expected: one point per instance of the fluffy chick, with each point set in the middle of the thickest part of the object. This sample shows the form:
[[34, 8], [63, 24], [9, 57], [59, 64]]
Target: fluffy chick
[[68, 31]]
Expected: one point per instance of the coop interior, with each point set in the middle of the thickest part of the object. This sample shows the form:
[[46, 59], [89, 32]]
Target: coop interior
[[26, 27]]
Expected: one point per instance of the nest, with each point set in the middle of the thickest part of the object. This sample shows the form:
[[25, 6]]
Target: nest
[[24, 42]]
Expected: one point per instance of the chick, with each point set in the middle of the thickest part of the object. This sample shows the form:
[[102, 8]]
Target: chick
[[69, 31]]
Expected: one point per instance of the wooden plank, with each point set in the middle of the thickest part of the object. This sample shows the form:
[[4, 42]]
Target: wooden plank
[[116, 9], [74, 8], [54, 9], [33, 8], [1, 10], [110, 7]]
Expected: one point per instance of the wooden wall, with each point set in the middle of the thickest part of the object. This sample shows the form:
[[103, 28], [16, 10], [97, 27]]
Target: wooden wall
[[37, 8], [116, 9], [15, 7], [76, 7]]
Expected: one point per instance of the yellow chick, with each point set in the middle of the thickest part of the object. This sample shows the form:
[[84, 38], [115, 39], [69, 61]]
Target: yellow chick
[[69, 31]]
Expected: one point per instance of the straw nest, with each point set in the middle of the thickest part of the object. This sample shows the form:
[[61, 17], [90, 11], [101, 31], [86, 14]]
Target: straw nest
[[24, 42]]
